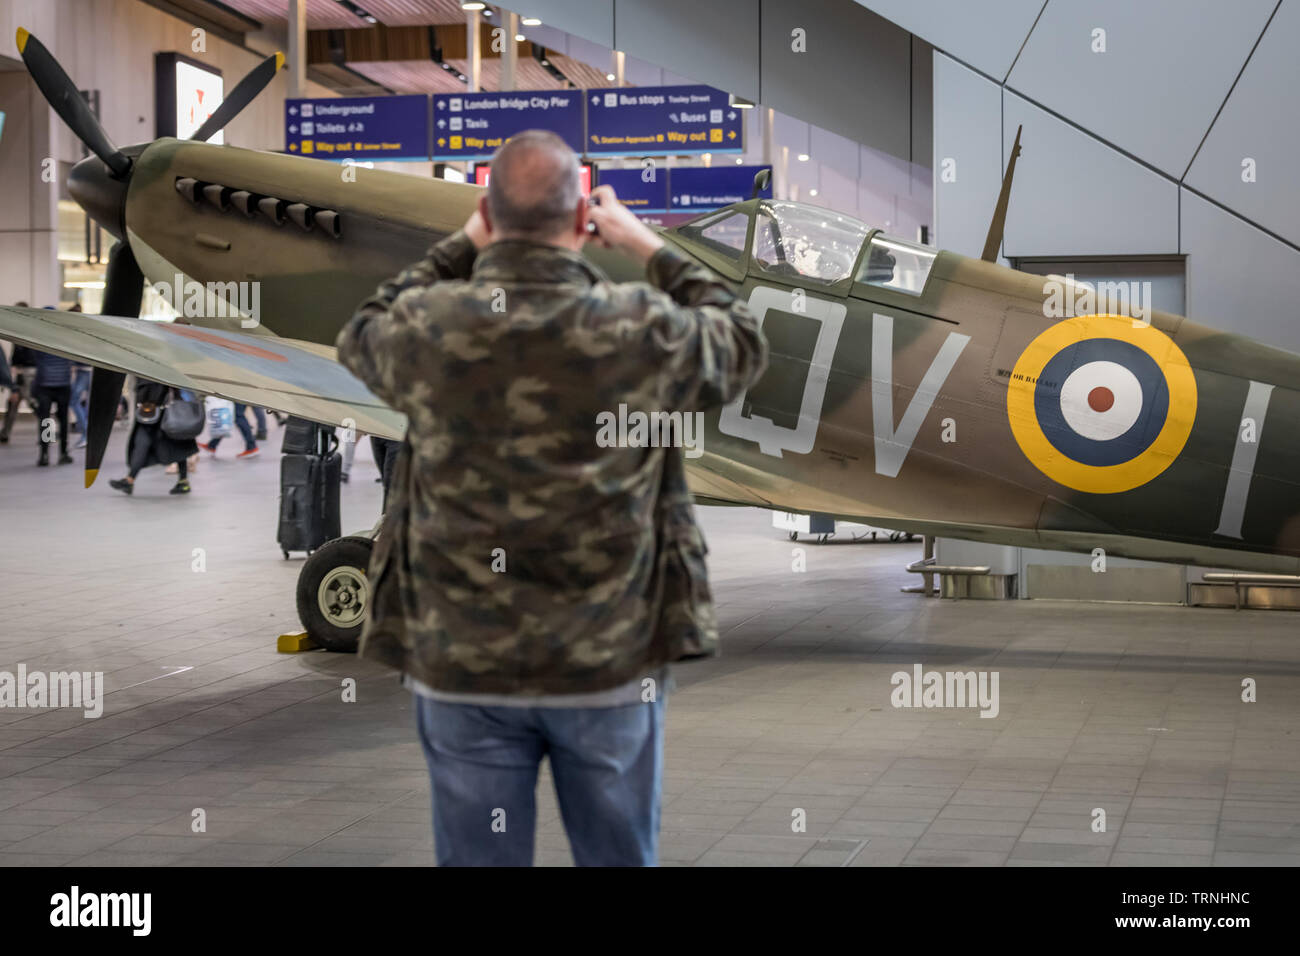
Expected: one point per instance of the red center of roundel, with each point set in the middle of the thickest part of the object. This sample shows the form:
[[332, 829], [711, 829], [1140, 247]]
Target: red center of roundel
[[1100, 399]]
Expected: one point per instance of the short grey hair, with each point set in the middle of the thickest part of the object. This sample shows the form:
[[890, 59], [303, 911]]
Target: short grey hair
[[534, 187]]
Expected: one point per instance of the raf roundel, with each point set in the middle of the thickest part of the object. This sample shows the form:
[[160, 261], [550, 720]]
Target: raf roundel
[[1101, 403]]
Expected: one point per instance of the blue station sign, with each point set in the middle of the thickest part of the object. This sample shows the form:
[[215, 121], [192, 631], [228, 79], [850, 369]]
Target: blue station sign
[[662, 120], [473, 125], [635, 191], [700, 188], [358, 127]]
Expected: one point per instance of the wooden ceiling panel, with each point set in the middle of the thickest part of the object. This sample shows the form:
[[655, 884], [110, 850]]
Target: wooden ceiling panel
[[529, 75], [321, 14], [406, 13], [582, 74], [410, 76]]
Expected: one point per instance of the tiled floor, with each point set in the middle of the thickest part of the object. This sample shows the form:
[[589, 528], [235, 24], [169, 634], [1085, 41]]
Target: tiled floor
[[1132, 710]]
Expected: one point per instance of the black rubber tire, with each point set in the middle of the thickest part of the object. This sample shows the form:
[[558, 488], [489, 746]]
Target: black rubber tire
[[337, 555]]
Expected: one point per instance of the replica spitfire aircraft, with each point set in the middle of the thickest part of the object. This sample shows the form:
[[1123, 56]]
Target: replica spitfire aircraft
[[908, 387]]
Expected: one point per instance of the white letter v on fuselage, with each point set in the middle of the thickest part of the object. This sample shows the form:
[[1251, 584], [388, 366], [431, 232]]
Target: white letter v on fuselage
[[892, 446]]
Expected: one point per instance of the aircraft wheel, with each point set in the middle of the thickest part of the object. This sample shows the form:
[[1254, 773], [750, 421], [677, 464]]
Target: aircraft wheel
[[333, 593]]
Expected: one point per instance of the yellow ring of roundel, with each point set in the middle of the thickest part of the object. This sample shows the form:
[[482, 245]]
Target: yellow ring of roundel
[[1102, 479]]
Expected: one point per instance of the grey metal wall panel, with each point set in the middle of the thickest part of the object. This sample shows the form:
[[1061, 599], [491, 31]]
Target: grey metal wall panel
[[590, 19], [714, 43], [876, 206], [893, 194], [922, 101], [967, 139], [595, 54], [836, 191], [837, 152], [1167, 67], [793, 132], [853, 76], [1238, 278], [640, 73], [1075, 196], [1164, 279], [1258, 122], [985, 35]]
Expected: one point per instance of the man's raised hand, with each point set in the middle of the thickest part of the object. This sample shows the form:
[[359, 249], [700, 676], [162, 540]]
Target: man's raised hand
[[617, 228]]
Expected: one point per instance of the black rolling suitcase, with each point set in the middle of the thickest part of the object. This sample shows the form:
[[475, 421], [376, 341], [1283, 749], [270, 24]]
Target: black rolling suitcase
[[309, 489]]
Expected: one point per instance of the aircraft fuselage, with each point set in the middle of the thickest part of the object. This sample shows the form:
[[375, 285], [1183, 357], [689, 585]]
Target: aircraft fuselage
[[953, 411]]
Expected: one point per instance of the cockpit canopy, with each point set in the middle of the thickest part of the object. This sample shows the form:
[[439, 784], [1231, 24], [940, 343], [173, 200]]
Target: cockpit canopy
[[799, 244]]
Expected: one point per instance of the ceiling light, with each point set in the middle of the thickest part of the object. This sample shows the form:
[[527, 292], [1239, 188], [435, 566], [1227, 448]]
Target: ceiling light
[[472, 5], [740, 103], [740, 160], [531, 21], [610, 77], [802, 157], [546, 63], [812, 192], [520, 38]]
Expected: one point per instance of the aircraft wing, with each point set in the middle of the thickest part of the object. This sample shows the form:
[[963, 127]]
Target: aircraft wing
[[287, 375]]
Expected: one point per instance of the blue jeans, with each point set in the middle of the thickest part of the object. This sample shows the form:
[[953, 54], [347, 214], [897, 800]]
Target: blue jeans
[[607, 763], [242, 424], [80, 393]]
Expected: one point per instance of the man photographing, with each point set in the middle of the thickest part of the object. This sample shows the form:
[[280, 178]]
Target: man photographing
[[531, 584]]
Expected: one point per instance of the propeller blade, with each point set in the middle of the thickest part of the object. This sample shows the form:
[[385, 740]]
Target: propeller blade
[[105, 392], [243, 94], [123, 292], [68, 102]]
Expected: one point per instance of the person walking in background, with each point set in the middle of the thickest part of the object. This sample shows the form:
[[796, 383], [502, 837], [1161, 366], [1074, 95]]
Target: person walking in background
[[349, 451], [81, 395], [81, 401], [52, 388], [6, 376], [18, 372], [192, 463], [150, 445], [385, 452], [241, 422], [259, 416]]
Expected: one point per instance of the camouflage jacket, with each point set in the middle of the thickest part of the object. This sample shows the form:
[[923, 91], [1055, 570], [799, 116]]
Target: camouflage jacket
[[517, 554]]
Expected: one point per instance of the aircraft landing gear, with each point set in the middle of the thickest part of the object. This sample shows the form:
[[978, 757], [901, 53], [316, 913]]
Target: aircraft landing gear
[[333, 593]]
